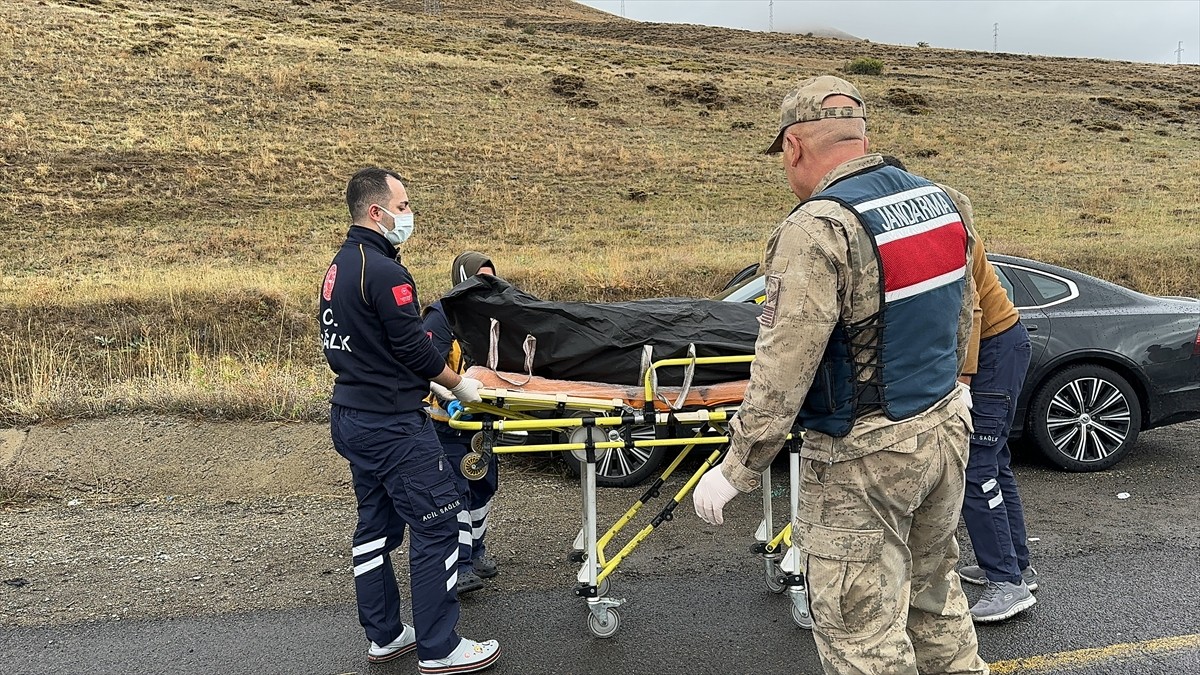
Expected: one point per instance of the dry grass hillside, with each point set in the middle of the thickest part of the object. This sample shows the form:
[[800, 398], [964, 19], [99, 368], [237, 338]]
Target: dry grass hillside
[[171, 173]]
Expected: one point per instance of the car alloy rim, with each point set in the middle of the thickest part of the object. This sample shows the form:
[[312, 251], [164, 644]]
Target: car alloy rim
[[1088, 419], [615, 463], [621, 462]]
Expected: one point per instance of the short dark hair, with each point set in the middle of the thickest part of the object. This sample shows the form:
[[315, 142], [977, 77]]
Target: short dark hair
[[368, 186]]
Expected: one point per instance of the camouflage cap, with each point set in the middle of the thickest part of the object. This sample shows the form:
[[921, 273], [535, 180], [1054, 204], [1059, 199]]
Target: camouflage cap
[[803, 104]]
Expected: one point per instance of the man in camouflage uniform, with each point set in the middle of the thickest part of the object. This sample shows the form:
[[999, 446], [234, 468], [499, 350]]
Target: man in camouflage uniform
[[863, 333]]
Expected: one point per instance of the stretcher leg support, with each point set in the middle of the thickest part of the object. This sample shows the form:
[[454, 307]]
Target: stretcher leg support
[[766, 529], [792, 567], [603, 619]]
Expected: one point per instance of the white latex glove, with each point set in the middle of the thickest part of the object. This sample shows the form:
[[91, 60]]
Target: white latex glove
[[711, 495], [965, 390], [467, 390], [441, 392]]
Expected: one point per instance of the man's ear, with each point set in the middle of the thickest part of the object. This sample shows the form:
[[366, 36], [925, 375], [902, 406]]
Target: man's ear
[[797, 148]]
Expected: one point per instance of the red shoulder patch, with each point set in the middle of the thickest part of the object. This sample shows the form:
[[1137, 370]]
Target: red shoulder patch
[[330, 278], [403, 294]]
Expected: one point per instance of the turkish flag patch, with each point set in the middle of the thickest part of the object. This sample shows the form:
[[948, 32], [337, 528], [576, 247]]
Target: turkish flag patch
[[403, 294], [330, 278]]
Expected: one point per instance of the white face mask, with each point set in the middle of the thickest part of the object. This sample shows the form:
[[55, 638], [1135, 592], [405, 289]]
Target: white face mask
[[402, 227]]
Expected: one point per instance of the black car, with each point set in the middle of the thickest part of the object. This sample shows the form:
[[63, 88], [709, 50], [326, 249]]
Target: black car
[[1107, 362]]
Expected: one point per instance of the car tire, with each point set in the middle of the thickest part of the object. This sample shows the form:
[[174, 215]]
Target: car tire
[[1085, 418], [619, 467]]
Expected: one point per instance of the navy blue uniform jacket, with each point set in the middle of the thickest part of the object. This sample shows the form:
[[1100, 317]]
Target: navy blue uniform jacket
[[371, 329], [438, 329]]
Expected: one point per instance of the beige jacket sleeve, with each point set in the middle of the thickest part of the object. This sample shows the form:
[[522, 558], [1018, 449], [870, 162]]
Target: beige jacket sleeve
[[799, 314]]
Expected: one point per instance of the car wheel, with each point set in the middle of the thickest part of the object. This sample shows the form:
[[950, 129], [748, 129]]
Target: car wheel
[[617, 467], [1085, 418]]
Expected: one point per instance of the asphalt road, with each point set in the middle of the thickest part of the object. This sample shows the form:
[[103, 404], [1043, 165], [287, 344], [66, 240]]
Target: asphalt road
[[1119, 577]]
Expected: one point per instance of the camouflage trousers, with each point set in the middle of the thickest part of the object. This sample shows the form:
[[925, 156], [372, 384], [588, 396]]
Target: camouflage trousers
[[878, 534]]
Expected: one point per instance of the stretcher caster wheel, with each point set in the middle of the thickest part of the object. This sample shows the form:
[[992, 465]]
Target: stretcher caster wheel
[[603, 588], [477, 442], [473, 466], [802, 618], [612, 621], [774, 580]]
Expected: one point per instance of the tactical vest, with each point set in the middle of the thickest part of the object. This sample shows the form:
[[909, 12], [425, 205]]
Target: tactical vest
[[904, 358]]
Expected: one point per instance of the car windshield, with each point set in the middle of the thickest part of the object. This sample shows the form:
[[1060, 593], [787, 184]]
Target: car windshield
[[747, 291]]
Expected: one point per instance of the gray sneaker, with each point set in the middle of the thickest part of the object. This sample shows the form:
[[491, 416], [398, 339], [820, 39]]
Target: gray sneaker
[[1030, 576], [1001, 601], [973, 574]]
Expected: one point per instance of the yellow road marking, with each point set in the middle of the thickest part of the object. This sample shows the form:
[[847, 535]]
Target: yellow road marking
[[1082, 658]]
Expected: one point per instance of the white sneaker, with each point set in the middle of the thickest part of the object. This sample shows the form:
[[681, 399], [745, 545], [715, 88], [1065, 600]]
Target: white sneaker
[[398, 647], [468, 657]]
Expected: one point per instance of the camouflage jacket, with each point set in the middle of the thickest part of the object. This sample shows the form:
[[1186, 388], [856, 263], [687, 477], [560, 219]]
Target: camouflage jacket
[[827, 271]]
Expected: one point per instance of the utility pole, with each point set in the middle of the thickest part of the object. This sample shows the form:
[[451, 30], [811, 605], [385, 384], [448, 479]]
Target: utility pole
[[1179, 53], [995, 37], [622, 8], [771, 16]]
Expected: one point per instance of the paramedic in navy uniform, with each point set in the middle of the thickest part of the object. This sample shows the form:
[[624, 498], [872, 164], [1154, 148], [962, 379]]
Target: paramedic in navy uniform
[[384, 362]]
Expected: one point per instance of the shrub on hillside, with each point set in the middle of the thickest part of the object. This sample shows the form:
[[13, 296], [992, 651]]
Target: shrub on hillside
[[865, 65], [911, 102]]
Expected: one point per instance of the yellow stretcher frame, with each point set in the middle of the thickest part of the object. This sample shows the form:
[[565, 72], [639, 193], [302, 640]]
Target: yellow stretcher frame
[[517, 412]]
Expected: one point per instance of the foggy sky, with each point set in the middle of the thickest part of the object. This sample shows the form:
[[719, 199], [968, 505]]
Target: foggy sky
[[1126, 30]]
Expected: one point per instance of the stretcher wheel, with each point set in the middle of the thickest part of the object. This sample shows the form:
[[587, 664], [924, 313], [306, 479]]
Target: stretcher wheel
[[477, 442], [473, 466], [603, 588], [801, 617], [775, 580], [612, 621]]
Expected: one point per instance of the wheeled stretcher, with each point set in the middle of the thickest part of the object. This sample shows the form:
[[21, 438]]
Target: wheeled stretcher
[[590, 419]]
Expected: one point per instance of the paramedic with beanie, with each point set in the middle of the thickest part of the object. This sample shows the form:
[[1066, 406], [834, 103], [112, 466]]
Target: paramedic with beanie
[[384, 362], [862, 335], [474, 564]]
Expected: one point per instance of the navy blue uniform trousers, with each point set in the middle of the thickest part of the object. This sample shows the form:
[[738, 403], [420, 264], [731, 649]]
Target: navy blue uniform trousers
[[402, 479], [992, 506], [472, 520]]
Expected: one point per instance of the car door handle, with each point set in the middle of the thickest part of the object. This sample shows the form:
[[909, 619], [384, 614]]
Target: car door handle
[[1032, 328]]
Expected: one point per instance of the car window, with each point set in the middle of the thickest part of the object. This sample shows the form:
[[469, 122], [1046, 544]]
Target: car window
[[1005, 283], [1047, 289]]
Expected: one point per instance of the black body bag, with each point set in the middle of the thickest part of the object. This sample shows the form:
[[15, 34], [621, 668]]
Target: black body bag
[[510, 330]]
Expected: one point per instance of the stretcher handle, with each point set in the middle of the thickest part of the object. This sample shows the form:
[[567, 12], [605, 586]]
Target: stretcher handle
[[651, 378], [529, 346]]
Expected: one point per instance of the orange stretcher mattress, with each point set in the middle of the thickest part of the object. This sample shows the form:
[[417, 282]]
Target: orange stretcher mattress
[[707, 396]]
